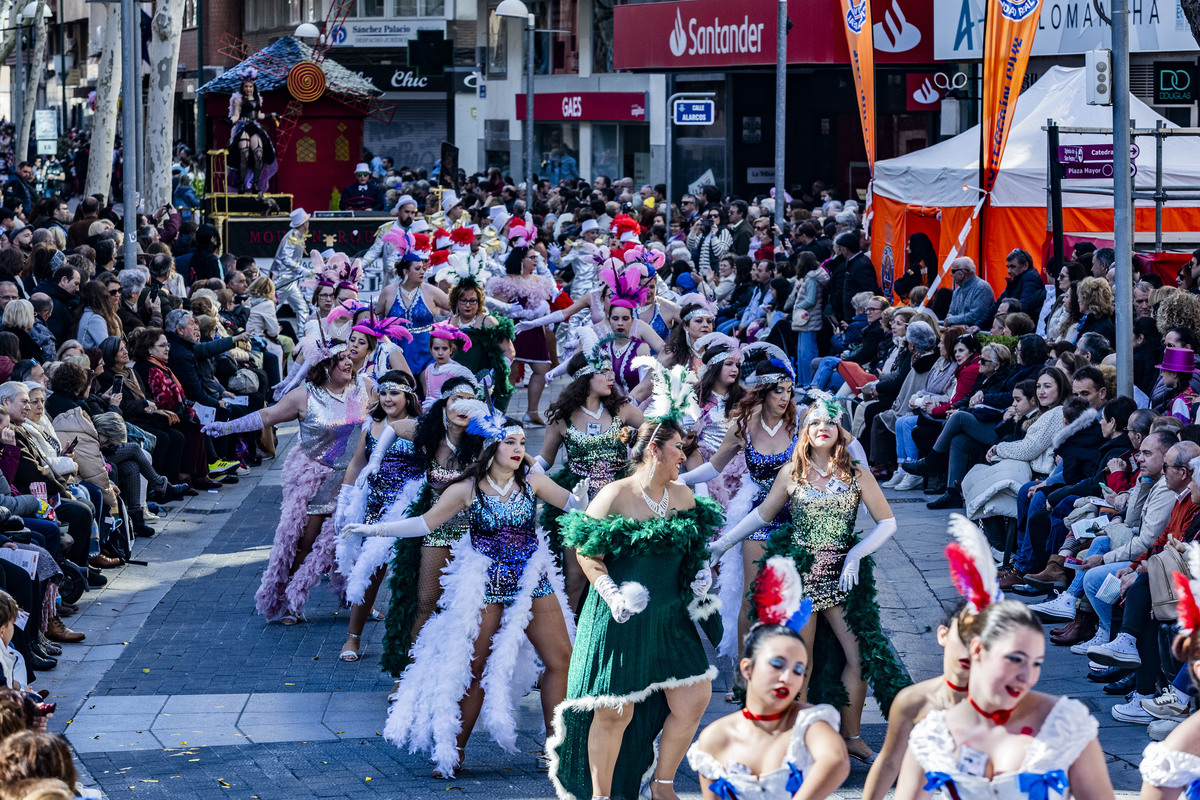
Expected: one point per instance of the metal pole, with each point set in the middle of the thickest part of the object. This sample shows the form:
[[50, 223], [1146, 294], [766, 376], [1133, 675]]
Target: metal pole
[[200, 112], [1122, 196], [1158, 187], [780, 114], [669, 120], [530, 168], [62, 67], [19, 88], [131, 51], [1056, 207]]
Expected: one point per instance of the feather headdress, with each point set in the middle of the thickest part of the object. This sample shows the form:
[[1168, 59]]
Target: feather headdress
[[652, 260], [338, 271], [403, 242], [441, 239], [391, 327], [439, 258], [422, 244], [822, 406], [462, 268], [592, 349], [444, 330], [779, 595], [461, 238], [519, 235], [316, 350], [971, 566], [765, 364], [674, 392], [703, 306], [626, 228], [624, 287], [486, 421]]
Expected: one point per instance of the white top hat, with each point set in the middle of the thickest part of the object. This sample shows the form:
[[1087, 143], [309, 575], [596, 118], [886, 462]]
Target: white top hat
[[362, 167], [501, 219], [405, 199], [442, 241], [419, 226], [450, 199], [496, 211], [589, 225], [298, 217], [475, 229]]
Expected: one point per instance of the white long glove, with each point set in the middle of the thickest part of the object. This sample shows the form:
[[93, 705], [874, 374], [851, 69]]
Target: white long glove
[[703, 582], [530, 324], [749, 524], [343, 500], [624, 601], [874, 540], [702, 473], [508, 309], [411, 528], [579, 495]]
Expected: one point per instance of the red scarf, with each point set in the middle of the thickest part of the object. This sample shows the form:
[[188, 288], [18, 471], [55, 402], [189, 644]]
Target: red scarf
[[165, 387]]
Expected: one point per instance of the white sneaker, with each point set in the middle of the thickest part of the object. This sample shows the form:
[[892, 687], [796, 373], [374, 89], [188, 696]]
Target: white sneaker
[[1120, 652], [897, 476], [1100, 638], [1161, 728], [909, 483], [1061, 607], [1132, 711], [1168, 705]]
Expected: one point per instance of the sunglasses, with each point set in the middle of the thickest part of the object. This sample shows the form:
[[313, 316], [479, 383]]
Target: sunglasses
[[114, 292]]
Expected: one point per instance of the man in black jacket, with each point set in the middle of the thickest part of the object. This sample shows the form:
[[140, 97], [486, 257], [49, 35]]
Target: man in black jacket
[[62, 289], [21, 188], [860, 272], [739, 228], [1024, 284], [187, 351]]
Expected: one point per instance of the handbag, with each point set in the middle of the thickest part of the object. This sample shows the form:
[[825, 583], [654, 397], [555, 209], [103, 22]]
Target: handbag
[[1159, 568]]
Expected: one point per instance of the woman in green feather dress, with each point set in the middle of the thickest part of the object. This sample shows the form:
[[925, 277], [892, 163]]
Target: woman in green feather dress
[[825, 488], [638, 668]]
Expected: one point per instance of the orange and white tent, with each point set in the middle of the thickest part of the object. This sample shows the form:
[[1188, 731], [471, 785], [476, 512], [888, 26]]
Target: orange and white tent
[[933, 190]]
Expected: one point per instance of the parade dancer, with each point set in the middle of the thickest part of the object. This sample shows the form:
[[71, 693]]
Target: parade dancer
[[383, 479], [773, 746], [534, 292], [331, 407], [412, 298], [1171, 768], [442, 443], [472, 659], [1006, 740], [718, 394], [639, 668], [765, 432], [588, 420], [683, 348], [824, 488], [382, 255], [974, 575], [288, 270], [373, 344], [253, 155], [491, 334]]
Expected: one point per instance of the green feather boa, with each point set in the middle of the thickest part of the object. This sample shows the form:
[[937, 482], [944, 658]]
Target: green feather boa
[[486, 354], [402, 584], [880, 667]]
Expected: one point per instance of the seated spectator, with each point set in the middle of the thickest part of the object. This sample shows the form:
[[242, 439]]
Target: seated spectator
[[867, 350], [972, 298], [1096, 314], [1017, 324], [61, 287], [922, 341], [42, 308], [30, 754], [1179, 400], [97, 315], [18, 320], [132, 312]]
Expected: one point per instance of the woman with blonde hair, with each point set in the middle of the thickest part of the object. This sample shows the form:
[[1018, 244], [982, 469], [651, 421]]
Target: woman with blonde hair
[[18, 320], [264, 323], [824, 488], [1096, 312]]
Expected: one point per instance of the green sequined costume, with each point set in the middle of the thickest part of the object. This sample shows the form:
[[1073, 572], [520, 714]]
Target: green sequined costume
[[819, 536], [631, 663], [485, 354], [599, 456], [402, 581]]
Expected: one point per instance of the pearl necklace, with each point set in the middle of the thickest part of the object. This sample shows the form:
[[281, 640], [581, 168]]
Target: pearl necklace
[[770, 431], [593, 414], [501, 491], [408, 299], [660, 508], [824, 473]]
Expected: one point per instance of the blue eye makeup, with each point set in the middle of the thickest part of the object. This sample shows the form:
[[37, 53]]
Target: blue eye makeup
[[778, 662]]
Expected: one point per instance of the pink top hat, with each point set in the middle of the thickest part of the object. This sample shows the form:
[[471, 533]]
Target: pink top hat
[[1178, 359]]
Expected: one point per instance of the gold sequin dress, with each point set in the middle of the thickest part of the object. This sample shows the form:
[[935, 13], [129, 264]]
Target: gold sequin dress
[[823, 524]]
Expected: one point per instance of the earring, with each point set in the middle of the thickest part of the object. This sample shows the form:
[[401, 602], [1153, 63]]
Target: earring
[[653, 465]]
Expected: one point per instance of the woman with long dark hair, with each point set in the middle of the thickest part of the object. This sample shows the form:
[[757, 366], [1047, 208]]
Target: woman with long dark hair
[[719, 393], [97, 316], [698, 315], [412, 298], [587, 419], [503, 588], [521, 284], [252, 154]]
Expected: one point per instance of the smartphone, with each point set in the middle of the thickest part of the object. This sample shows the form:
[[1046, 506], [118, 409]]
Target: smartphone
[[118, 384], [71, 447]]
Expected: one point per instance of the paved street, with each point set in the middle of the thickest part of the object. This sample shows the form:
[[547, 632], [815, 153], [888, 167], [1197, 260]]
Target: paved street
[[183, 692]]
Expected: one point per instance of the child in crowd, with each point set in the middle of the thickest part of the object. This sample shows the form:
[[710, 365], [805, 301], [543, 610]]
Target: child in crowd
[[444, 342]]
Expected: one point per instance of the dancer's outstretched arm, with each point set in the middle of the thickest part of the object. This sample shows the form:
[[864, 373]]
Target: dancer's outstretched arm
[[454, 499], [771, 505]]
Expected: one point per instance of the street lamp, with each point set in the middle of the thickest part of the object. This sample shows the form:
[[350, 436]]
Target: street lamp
[[515, 9], [306, 30]]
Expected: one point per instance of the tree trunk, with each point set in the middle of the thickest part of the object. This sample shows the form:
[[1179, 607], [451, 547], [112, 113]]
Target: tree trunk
[[165, 30], [108, 93], [1191, 10], [10, 42], [37, 72]]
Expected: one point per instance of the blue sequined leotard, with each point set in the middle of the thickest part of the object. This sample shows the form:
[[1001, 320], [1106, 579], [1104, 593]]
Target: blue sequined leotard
[[398, 467], [659, 324], [420, 319], [762, 469], [503, 530]]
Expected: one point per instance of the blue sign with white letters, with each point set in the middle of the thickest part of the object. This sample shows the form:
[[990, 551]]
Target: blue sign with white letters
[[695, 112]]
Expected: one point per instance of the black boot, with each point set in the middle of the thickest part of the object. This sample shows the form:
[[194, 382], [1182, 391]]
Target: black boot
[[935, 484], [40, 661], [931, 464], [951, 499]]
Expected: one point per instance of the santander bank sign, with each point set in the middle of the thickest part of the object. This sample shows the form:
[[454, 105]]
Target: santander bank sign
[[702, 34], [715, 37]]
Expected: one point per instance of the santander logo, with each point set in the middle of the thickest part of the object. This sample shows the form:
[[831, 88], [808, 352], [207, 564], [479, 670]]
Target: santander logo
[[714, 37], [895, 34], [678, 40]]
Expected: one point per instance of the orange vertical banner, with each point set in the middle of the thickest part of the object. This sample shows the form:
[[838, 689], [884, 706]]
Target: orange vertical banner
[[1007, 43], [862, 62]]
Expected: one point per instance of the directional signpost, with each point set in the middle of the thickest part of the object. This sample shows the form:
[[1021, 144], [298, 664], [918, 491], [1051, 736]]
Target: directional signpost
[[1092, 161], [694, 112]]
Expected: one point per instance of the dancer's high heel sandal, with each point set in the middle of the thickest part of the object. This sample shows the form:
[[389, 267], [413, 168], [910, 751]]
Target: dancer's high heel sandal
[[351, 656], [437, 773], [868, 760]]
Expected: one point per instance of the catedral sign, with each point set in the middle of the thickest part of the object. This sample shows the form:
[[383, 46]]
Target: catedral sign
[[1064, 27], [715, 33]]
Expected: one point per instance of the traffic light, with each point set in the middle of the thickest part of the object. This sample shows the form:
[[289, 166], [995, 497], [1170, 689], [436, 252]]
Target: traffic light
[[1098, 67]]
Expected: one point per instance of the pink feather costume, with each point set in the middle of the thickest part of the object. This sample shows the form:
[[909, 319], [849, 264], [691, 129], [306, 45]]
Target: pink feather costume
[[313, 472]]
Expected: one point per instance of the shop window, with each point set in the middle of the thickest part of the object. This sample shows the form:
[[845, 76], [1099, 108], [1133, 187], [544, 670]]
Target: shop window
[[602, 35], [606, 150], [497, 44], [371, 8], [189, 13], [553, 142]]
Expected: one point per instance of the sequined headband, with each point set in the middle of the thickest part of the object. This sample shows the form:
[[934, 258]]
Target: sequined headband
[[722, 356], [511, 430], [698, 312], [592, 368], [392, 386]]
